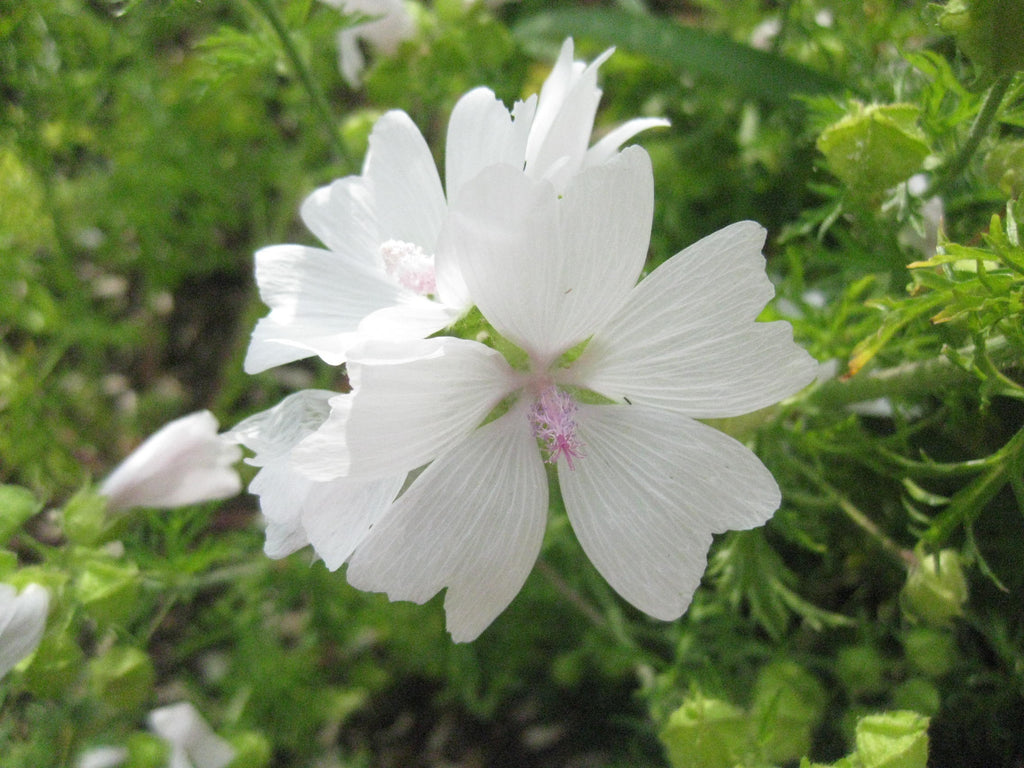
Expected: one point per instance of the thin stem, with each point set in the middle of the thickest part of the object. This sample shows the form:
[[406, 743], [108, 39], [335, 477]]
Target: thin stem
[[861, 520], [981, 125], [909, 379], [570, 594], [269, 10]]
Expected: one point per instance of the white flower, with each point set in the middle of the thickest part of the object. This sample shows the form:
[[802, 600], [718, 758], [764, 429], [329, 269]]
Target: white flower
[[103, 757], [645, 485], [384, 273], [22, 621], [390, 25], [193, 744], [336, 514], [184, 462]]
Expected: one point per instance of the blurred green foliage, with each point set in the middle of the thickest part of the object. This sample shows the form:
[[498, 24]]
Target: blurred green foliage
[[147, 149]]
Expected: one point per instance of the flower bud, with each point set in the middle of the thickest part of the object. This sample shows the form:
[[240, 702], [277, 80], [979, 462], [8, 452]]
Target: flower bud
[[122, 677], [861, 669], [893, 740], [184, 462], [936, 588], [874, 147], [991, 32], [108, 590], [931, 652], [706, 733], [788, 703]]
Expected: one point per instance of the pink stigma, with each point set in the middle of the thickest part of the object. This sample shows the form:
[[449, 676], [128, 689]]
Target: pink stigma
[[409, 266], [553, 418]]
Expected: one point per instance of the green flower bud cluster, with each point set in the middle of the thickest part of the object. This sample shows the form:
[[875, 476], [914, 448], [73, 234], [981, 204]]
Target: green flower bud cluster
[[788, 704]]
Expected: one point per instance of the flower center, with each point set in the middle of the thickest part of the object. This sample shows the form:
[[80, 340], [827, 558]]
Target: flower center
[[553, 418], [409, 266]]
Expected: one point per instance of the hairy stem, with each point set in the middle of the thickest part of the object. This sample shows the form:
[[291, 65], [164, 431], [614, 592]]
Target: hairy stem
[[982, 123], [270, 12]]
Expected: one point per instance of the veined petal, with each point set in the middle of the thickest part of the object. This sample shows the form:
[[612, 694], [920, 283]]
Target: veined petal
[[646, 495], [341, 216], [565, 118], [334, 515], [480, 134], [686, 340], [416, 317], [609, 144], [472, 522], [317, 299], [22, 621], [547, 271], [272, 433], [282, 491], [410, 402], [401, 174]]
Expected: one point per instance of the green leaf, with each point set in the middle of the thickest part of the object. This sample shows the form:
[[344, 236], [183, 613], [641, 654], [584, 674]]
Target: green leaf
[[683, 49], [17, 505]]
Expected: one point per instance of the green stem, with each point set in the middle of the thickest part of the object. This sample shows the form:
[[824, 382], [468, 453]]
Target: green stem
[[907, 380], [270, 12], [979, 129]]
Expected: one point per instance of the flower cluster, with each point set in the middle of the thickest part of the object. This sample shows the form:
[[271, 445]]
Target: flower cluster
[[433, 471]]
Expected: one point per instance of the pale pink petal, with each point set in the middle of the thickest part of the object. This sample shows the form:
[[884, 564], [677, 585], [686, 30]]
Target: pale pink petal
[[472, 522], [410, 402], [686, 339], [646, 495], [185, 462], [546, 272], [22, 621], [401, 174]]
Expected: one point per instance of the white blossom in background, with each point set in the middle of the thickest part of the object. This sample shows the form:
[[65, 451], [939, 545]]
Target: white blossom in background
[[645, 484], [193, 744], [103, 757], [384, 273], [184, 462], [391, 24], [22, 621], [335, 514], [191, 741]]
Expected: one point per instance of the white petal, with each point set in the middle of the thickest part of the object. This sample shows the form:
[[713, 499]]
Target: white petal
[[686, 339], [317, 299], [416, 317], [480, 134], [472, 522], [187, 732], [409, 403], [547, 271], [609, 144], [648, 492], [400, 172], [184, 462], [565, 118], [338, 515], [271, 434], [341, 215], [22, 621]]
